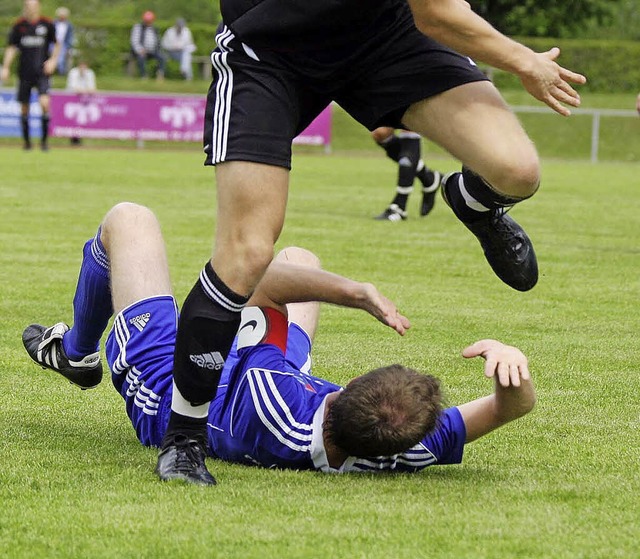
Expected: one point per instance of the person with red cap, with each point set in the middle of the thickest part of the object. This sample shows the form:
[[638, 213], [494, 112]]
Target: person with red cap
[[145, 45]]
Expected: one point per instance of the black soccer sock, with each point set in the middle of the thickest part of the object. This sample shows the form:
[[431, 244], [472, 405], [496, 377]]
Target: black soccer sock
[[427, 177], [408, 157], [391, 146], [45, 127], [24, 121], [208, 324], [471, 197]]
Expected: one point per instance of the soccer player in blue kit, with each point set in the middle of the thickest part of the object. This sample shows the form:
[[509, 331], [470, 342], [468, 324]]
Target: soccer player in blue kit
[[395, 63], [269, 410]]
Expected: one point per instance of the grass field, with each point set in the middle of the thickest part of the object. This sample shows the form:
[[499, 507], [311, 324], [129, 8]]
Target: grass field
[[561, 483]]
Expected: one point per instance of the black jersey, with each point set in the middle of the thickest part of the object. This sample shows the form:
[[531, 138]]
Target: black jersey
[[303, 25], [33, 39]]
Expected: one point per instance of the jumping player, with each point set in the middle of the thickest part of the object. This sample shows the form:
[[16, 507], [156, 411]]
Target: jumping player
[[270, 410], [33, 36], [277, 64], [404, 148]]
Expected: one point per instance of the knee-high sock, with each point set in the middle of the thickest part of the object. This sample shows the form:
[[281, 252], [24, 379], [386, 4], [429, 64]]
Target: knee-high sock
[[408, 157], [24, 121], [92, 306], [45, 127], [208, 324]]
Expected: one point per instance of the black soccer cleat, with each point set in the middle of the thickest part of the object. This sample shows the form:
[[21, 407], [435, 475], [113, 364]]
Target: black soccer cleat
[[44, 346], [506, 246], [392, 213], [183, 458], [429, 194]]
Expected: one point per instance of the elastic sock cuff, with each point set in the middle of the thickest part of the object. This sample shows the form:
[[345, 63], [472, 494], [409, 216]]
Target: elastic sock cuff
[[99, 260]]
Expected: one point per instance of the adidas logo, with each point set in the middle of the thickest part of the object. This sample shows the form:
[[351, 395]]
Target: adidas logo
[[140, 321], [212, 361]]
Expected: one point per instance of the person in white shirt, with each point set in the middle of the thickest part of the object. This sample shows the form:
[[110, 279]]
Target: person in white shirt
[[82, 81], [177, 42]]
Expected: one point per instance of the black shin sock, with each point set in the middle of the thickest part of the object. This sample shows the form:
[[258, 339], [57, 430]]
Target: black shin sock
[[208, 323]]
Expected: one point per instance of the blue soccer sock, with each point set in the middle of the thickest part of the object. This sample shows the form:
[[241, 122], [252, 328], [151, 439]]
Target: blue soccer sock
[[92, 305]]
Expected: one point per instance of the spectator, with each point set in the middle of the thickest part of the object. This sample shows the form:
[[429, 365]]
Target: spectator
[[82, 81], [64, 36], [638, 103], [145, 45], [177, 42]]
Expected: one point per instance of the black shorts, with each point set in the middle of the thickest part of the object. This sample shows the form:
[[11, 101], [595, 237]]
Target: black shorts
[[260, 100], [41, 83]]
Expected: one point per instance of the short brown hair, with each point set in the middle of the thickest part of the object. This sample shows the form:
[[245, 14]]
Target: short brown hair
[[384, 412]]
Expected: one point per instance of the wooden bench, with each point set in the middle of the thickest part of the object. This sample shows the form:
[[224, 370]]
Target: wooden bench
[[201, 62]]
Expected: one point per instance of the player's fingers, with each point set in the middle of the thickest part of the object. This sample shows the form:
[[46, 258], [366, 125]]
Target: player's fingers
[[524, 371], [563, 97], [503, 374], [552, 53], [490, 368], [572, 77], [558, 107], [514, 375], [476, 349]]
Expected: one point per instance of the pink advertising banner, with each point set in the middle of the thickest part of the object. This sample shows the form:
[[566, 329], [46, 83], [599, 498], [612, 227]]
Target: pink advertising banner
[[148, 117]]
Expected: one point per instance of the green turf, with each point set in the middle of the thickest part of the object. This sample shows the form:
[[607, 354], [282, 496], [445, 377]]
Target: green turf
[[561, 483]]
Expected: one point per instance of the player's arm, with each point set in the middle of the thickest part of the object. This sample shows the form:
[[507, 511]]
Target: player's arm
[[50, 63], [513, 397], [452, 23], [286, 282], [9, 55]]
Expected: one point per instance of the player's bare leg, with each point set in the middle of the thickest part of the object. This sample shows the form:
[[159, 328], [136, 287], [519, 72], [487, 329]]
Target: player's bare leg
[[251, 206], [501, 168]]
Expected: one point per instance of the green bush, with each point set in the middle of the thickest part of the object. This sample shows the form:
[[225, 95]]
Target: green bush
[[610, 65]]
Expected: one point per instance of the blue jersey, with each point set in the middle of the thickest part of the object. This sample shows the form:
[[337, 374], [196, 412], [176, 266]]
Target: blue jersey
[[269, 408]]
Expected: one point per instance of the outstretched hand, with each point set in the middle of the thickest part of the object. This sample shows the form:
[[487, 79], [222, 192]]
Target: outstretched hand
[[550, 83], [507, 362], [385, 310]]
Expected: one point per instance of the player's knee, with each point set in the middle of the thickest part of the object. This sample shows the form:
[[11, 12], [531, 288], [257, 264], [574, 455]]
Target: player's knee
[[123, 215], [519, 178], [299, 256], [382, 133]]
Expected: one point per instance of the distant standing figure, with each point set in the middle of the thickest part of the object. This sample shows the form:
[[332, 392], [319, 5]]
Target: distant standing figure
[[638, 103], [177, 42], [404, 148], [64, 36], [145, 45], [82, 81], [35, 37]]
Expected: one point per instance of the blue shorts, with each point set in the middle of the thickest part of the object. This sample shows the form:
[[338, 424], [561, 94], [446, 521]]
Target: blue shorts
[[140, 350]]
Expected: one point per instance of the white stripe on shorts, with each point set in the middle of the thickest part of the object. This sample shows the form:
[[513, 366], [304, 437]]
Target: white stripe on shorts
[[224, 88]]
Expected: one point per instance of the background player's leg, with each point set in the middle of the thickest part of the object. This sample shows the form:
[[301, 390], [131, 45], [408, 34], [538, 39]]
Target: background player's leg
[[251, 206], [24, 121], [44, 104], [408, 157]]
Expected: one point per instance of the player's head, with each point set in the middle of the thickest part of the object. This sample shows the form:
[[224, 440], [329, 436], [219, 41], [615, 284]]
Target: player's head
[[384, 412], [31, 9]]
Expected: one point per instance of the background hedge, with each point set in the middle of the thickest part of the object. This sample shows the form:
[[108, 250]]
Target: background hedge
[[610, 65]]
